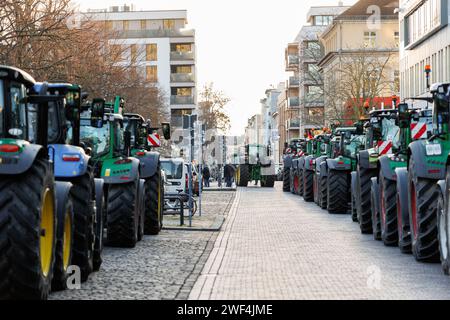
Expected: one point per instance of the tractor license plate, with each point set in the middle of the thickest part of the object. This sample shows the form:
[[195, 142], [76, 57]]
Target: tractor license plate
[[433, 149]]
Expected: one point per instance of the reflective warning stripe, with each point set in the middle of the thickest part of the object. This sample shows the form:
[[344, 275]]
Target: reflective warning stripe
[[154, 140], [419, 130], [384, 147]]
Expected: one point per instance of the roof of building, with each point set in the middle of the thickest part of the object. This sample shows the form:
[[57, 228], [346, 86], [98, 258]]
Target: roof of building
[[325, 11], [362, 9], [308, 33]]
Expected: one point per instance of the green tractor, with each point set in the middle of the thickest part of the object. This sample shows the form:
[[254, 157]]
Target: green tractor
[[255, 164], [102, 130], [33, 207], [382, 139], [326, 146], [393, 217], [290, 161], [150, 169], [306, 150]]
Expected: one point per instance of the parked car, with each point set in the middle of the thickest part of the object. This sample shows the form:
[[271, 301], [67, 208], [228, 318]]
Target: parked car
[[177, 175]]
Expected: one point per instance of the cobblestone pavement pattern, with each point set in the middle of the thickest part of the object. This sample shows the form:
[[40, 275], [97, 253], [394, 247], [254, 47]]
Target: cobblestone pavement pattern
[[276, 246], [160, 267]]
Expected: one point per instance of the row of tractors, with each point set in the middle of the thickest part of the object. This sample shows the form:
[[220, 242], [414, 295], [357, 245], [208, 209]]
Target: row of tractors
[[390, 171], [75, 175]]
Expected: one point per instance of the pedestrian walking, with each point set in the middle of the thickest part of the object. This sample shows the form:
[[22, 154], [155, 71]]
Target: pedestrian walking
[[229, 174], [206, 176]]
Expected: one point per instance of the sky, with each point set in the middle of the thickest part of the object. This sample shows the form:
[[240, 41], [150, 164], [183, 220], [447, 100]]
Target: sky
[[240, 44]]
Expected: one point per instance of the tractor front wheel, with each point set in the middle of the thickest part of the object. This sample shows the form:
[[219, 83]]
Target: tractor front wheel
[[337, 191], [308, 185], [154, 204], [286, 179], [363, 198], [243, 175], [388, 212]]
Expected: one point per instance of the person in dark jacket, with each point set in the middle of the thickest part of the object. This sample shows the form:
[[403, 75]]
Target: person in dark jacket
[[206, 176], [229, 174]]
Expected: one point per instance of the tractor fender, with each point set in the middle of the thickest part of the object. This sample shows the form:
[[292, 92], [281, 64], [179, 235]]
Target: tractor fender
[[418, 153], [353, 177], [363, 159], [99, 198], [287, 161], [301, 162], [131, 175], [441, 184], [308, 165], [294, 163], [319, 162], [141, 192], [62, 195], [149, 164], [20, 163], [385, 168], [334, 164], [323, 169], [68, 169], [402, 191]]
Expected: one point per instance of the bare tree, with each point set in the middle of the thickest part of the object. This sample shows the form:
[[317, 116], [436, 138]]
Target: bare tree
[[212, 108]]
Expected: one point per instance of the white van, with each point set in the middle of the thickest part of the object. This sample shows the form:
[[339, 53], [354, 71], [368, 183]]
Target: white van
[[176, 173]]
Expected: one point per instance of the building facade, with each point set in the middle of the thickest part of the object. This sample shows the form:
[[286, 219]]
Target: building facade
[[424, 40], [160, 48]]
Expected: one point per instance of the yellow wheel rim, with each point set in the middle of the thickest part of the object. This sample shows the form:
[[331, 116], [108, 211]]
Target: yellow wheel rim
[[67, 238], [47, 231]]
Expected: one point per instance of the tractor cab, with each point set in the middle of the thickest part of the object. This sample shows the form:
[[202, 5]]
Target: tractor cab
[[383, 133], [441, 103]]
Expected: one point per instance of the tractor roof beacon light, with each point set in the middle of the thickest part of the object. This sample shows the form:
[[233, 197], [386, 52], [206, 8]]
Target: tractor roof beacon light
[[427, 75]]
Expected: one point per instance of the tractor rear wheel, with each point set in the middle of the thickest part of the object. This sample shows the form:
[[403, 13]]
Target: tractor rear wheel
[[268, 181], [363, 197], [243, 175], [154, 204], [423, 218], [337, 191], [99, 227], [295, 182], [353, 197], [63, 251], [308, 185], [300, 183], [404, 231], [375, 208], [123, 215], [323, 191], [82, 194], [286, 180], [388, 211], [27, 233], [443, 227]]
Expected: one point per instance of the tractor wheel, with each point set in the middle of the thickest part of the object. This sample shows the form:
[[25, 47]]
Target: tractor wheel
[[63, 250], [353, 197], [98, 228], [316, 188], [337, 191], [308, 186], [423, 218], [27, 233], [300, 183], [82, 194], [268, 181], [404, 231], [295, 183], [375, 205], [286, 180], [363, 197], [443, 234], [154, 204], [323, 191], [123, 215], [243, 175], [388, 211]]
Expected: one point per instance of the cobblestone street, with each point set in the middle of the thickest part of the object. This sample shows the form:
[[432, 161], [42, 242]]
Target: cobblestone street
[[276, 246], [160, 267]]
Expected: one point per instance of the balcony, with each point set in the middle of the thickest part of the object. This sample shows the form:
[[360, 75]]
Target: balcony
[[182, 100], [313, 120], [182, 56], [294, 102], [158, 33], [294, 82], [293, 124], [314, 100], [182, 77]]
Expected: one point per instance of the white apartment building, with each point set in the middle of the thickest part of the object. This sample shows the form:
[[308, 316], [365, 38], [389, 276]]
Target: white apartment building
[[424, 40], [161, 49]]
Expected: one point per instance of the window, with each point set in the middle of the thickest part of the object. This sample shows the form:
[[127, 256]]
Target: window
[[152, 73], [370, 39], [169, 24], [181, 69], [152, 52], [396, 38], [126, 25], [133, 50], [423, 20], [323, 20], [143, 24], [108, 25], [181, 47], [17, 114], [186, 92]]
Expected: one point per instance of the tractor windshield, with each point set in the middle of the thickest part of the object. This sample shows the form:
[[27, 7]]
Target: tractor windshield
[[72, 114], [98, 139], [131, 126], [353, 145], [17, 115], [53, 128], [441, 114], [390, 131]]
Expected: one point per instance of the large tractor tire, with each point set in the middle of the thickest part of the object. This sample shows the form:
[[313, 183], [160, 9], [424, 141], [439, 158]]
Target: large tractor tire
[[301, 187], [154, 204], [316, 188], [99, 225], [296, 182], [363, 197], [388, 211], [82, 194], [444, 232], [404, 230], [268, 181], [423, 218], [323, 191], [353, 197], [375, 209], [27, 233], [243, 175], [308, 185], [286, 180], [64, 240], [123, 215], [337, 191]]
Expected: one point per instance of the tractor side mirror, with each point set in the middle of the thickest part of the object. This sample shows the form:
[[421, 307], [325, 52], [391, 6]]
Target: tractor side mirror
[[97, 113], [166, 130]]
